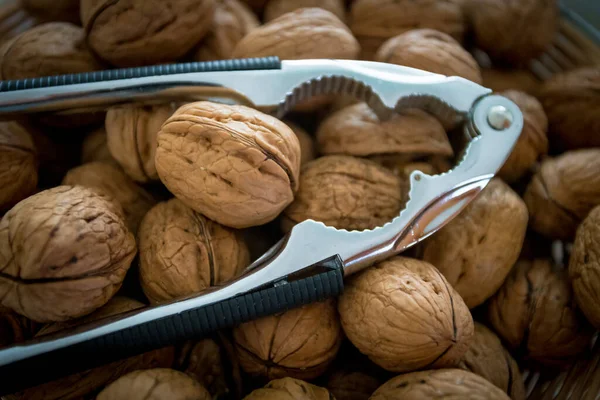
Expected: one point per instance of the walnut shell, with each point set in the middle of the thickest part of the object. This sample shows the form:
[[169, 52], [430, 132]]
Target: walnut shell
[[202, 361], [346, 193], [307, 143], [154, 384], [232, 21], [235, 165], [411, 293], [276, 8], [535, 313], [95, 148], [64, 253], [131, 138], [478, 248], [430, 50], [138, 32], [18, 164], [487, 357], [53, 10], [356, 130], [300, 343], [375, 21], [352, 385], [183, 252], [14, 328], [289, 389], [439, 384], [500, 80], [563, 192], [54, 48], [571, 101]]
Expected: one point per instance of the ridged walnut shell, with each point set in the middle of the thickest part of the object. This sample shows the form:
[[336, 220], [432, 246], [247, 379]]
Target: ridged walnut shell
[[346, 193], [404, 315], [54, 48], [500, 80], [139, 32], [53, 10], [300, 343], [535, 313], [571, 101], [478, 248], [202, 360], [276, 8], [439, 384], [183, 252], [131, 138], [64, 253], [563, 192], [154, 384], [290, 389], [236, 165], [18, 164], [95, 148], [432, 51], [487, 357]]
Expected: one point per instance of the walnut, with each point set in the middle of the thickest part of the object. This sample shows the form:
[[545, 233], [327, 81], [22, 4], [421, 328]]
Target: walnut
[[375, 21], [430, 50], [487, 357], [54, 48], [276, 8], [572, 100], [202, 361], [53, 10], [402, 165], [562, 193], [131, 138], [135, 32], [113, 182], [352, 385], [95, 148], [18, 164], [439, 384], [232, 21], [307, 143], [14, 328], [534, 312], [64, 253], [183, 252], [411, 293], [513, 30], [289, 389], [256, 5], [346, 193], [500, 80], [236, 165], [155, 384], [300, 343]]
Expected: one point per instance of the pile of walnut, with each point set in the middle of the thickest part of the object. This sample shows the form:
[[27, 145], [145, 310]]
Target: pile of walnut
[[105, 213]]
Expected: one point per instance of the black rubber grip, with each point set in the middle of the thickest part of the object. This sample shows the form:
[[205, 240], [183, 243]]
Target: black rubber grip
[[140, 72], [190, 324]]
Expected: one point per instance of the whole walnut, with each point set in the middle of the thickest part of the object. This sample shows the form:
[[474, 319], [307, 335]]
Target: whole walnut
[[290, 389], [69, 247], [352, 385], [432, 327], [584, 265], [276, 8], [139, 32], [112, 181], [571, 101], [402, 165], [300, 343], [375, 21], [439, 384], [95, 148], [18, 164], [562, 193], [535, 313], [487, 357], [183, 252], [53, 10], [307, 143], [202, 361], [346, 193], [232, 21], [430, 50], [53, 48], [500, 80], [154, 384], [235, 165], [533, 142], [131, 138], [14, 328]]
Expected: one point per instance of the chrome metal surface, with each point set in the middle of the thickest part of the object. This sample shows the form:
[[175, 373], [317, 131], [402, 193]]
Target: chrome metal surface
[[499, 118]]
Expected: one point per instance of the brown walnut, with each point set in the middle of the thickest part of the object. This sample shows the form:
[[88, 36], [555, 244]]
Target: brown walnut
[[300, 343], [64, 253], [95, 148], [478, 248], [53, 10], [290, 389], [307, 143], [352, 385], [276, 8], [432, 51], [403, 315], [236, 165], [563, 192], [183, 252], [54, 48], [14, 328], [439, 384], [500, 80], [139, 32], [536, 315], [203, 361], [154, 384]]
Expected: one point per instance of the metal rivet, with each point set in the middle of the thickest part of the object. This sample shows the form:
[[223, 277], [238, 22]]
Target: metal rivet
[[499, 118]]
